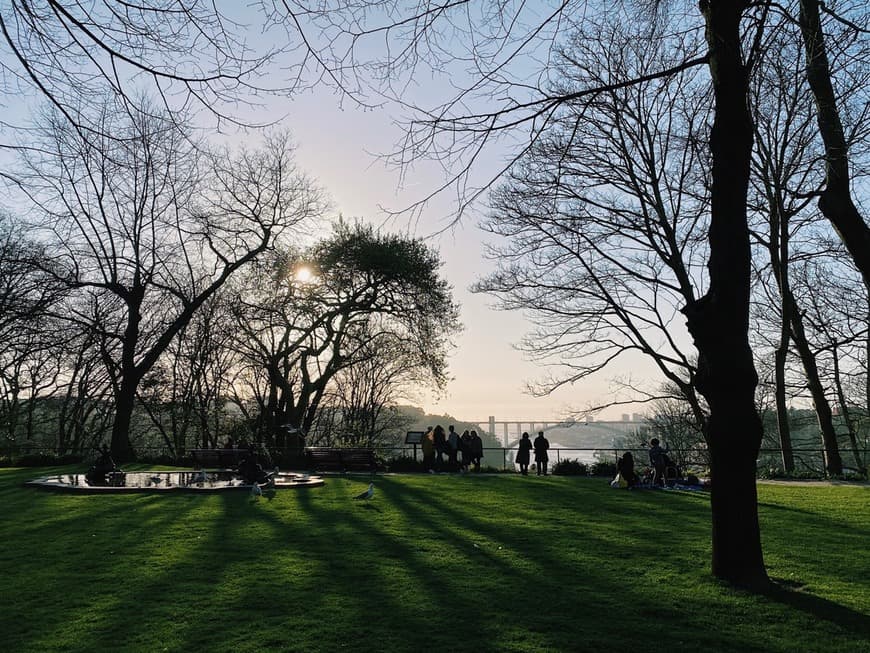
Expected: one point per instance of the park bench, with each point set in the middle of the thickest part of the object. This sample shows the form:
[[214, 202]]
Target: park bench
[[341, 460], [216, 458]]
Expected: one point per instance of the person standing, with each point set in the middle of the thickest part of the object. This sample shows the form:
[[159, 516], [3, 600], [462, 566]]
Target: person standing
[[658, 459], [452, 447], [541, 456], [476, 450], [428, 446], [465, 450], [523, 454], [440, 444]]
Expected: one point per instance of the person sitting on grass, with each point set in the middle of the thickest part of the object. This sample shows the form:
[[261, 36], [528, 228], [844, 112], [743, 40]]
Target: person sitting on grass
[[625, 469]]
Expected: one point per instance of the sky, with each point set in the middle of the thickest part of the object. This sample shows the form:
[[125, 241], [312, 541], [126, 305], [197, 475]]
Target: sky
[[337, 147]]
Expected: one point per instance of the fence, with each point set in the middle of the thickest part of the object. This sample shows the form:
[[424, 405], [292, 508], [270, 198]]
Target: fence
[[809, 463]]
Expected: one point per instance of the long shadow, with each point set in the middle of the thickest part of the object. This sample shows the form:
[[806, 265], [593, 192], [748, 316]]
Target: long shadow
[[405, 578], [852, 621]]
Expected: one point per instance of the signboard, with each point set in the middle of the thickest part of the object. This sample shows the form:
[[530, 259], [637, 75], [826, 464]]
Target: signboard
[[414, 437]]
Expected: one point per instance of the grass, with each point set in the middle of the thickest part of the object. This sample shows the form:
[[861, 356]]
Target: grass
[[443, 563]]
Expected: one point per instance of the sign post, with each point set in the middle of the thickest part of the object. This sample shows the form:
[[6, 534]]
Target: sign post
[[414, 438]]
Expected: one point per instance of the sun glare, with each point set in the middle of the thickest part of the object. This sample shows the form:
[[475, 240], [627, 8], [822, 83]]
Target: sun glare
[[304, 274]]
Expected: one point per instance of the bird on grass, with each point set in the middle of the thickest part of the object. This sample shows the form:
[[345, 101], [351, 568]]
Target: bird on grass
[[256, 491], [368, 494]]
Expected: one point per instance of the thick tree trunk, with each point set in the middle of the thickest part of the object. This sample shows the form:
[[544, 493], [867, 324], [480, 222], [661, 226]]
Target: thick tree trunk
[[824, 414], [836, 202], [125, 390], [719, 321], [125, 401]]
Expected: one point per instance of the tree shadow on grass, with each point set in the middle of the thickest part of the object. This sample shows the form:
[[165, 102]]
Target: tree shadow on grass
[[787, 593]]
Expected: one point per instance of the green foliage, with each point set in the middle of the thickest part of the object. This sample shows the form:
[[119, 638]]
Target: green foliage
[[313, 569], [405, 464], [41, 460], [570, 467], [601, 468]]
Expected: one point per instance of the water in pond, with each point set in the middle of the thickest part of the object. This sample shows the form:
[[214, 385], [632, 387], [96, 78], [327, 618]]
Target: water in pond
[[159, 481]]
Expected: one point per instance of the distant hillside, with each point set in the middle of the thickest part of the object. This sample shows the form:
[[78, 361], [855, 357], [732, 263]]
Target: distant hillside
[[577, 435], [420, 421]]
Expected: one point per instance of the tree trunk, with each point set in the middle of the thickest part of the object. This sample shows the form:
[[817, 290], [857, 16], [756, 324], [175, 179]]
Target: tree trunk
[[129, 377], [824, 415], [782, 422], [125, 400], [836, 200], [845, 413], [779, 260], [719, 321]]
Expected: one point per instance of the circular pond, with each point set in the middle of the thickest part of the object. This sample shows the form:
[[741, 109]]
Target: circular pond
[[165, 481]]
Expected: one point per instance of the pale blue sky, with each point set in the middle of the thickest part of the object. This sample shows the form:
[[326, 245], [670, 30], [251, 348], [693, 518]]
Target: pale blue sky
[[336, 147]]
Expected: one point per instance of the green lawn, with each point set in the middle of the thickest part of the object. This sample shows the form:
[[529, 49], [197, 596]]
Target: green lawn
[[439, 563]]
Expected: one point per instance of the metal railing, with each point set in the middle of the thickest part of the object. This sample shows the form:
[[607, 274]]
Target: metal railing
[[808, 462]]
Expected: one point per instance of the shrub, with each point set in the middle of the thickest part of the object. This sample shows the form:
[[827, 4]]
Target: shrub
[[601, 468], [47, 460], [405, 464], [570, 467]]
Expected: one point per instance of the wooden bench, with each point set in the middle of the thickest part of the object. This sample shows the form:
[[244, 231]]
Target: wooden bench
[[216, 458], [341, 460]]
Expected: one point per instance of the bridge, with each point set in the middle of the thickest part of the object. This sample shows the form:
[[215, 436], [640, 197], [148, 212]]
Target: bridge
[[567, 432]]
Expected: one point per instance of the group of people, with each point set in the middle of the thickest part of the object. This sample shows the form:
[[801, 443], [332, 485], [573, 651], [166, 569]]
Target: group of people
[[540, 446], [661, 464], [461, 451]]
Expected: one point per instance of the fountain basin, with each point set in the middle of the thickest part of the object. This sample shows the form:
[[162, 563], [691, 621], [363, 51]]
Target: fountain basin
[[168, 481]]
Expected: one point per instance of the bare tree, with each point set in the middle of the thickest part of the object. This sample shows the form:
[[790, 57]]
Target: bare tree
[[502, 51], [146, 228], [192, 55], [836, 200], [31, 353], [366, 393], [297, 334], [602, 220], [786, 148]]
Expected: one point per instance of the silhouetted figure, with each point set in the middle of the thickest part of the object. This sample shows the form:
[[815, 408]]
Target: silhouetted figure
[[524, 453], [250, 468], [541, 445], [428, 446], [659, 460], [465, 450], [625, 469], [476, 450], [103, 467], [440, 444], [452, 446]]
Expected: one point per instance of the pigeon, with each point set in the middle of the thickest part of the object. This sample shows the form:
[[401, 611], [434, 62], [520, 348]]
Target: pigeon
[[368, 494]]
